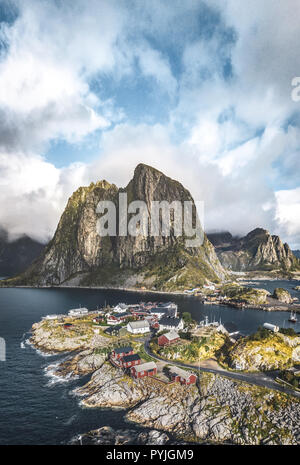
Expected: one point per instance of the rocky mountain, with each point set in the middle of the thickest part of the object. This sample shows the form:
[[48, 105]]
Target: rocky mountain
[[258, 250], [296, 253], [77, 254], [220, 239], [17, 255]]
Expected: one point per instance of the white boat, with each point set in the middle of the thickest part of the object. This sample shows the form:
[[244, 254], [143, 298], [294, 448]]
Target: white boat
[[293, 317]]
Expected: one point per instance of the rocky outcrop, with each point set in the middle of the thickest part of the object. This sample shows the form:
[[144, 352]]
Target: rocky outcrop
[[108, 436], [109, 387], [248, 295], [282, 295], [159, 262], [48, 336], [259, 250], [265, 351], [81, 364], [218, 410]]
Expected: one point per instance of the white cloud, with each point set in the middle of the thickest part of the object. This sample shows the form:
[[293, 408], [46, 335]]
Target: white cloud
[[34, 193], [235, 143], [287, 215]]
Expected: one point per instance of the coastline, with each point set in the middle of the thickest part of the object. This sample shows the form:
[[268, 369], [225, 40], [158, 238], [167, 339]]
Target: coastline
[[173, 408], [267, 308]]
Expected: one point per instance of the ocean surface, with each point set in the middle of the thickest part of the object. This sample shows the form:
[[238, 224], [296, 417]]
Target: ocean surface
[[36, 408]]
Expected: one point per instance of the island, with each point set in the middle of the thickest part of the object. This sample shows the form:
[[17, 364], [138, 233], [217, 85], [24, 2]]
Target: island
[[193, 381]]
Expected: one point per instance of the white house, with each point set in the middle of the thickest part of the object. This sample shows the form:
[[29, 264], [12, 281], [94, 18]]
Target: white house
[[158, 312], [120, 308], [168, 322], [78, 312], [138, 327]]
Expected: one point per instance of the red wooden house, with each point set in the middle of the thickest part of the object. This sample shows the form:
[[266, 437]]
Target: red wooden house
[[146, 369], [113, 319], [183, 377], [130, 360], [168, 338], [68, 326], [121, 352]]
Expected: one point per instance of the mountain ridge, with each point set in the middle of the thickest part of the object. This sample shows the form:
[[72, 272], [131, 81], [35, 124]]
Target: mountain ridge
[[77, 254], [16, 255], [257, 251]]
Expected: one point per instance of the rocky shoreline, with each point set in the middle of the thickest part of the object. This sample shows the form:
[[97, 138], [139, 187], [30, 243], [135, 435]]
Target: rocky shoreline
[[108, 436], [217, 410]]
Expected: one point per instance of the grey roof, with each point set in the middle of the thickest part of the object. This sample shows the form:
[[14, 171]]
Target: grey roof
[[171, 335], [158, 310], [182, 373], [169, 321], [112, 329], [139, 324], [167, 304], [145, 367], [131, 358], [123, 350]]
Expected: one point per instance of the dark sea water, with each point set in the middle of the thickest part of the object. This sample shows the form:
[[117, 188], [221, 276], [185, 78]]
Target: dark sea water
[[36, 409]]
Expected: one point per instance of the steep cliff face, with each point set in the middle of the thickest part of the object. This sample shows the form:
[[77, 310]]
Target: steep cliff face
[[259, 250], [77, 252]]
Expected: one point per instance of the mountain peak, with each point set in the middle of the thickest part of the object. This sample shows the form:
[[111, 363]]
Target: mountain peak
[[258, 232], [77, 252]]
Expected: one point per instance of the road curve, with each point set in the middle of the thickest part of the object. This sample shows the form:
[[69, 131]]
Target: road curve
[[258, 379]]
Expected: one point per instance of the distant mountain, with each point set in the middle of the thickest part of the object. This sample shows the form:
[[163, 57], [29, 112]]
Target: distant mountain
[[17, 255], [258, 250], [296, 253], [220, 239], [78, 255]]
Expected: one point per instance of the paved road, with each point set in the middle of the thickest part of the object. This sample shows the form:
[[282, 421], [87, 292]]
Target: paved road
[[266, 380]]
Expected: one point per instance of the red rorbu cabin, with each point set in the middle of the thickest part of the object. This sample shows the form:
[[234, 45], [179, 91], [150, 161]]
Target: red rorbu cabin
[[146, 369], [130, 360], [68, 325], [183, 377], [168, 338], [121, 352]]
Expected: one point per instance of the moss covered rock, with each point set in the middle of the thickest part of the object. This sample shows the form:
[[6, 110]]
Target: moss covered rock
[[283, 295], [265, 351]]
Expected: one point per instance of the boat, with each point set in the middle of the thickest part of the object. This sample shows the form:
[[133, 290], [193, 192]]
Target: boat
[[293, 317]]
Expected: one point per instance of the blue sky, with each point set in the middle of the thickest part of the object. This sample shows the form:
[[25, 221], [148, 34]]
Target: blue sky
[[199, 89]]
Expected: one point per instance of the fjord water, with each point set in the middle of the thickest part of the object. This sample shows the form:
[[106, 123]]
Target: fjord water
[[35, 408]]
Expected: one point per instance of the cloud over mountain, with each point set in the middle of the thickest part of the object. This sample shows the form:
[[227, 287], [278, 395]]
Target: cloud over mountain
[[201, 90]]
